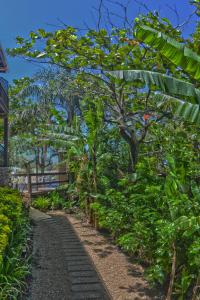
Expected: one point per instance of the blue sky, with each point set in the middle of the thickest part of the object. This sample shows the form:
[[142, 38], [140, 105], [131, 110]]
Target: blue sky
[[19, 17]]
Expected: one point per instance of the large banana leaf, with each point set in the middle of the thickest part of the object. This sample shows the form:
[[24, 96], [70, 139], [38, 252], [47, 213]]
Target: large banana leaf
[[164, 83], [171, 86], [176, 52], [186, 110]]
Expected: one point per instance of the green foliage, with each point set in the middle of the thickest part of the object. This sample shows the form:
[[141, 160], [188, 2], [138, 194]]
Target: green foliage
[[127, 152], [55, 200], [148, 217], [11, 213], [166, 84], [42, 203], [171, 86], [13, 238], [177, 53]]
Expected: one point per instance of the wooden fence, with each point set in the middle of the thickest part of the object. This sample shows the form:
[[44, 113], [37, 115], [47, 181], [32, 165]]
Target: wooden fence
[[33, 184]]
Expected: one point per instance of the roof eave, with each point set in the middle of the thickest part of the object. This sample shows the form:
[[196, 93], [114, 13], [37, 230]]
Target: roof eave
[[3, 66]]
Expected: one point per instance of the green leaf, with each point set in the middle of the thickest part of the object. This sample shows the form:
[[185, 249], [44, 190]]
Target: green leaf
[[176, 52], [169, 85], [166, 84], [186, 110]]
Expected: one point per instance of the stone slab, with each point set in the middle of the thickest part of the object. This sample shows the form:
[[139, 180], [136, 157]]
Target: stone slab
[[88, 296], [80, 268], [82, 274], [86, 287], [85, 280]]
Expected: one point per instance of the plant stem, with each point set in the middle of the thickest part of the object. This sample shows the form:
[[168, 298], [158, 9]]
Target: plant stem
[[172, 275]]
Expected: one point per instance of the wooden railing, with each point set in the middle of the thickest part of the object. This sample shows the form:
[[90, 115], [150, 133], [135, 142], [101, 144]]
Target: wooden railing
[[35, 183]]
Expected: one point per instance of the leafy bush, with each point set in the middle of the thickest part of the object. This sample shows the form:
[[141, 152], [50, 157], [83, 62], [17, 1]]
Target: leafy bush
[[57, 202], [158, 221], [10, 215], [4, 235], [42, 203], [53, 201], [14, 228]]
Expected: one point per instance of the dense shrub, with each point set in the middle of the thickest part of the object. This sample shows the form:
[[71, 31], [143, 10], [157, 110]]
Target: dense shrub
[[158, 221], [42, 203], [13, 237], [10, 216], [58, 199]]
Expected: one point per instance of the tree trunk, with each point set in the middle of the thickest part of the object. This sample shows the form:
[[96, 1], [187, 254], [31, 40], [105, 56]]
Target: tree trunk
[[130, 138], [94, 154], [37, 166], [134, 147], [62, 168], [172, 275]]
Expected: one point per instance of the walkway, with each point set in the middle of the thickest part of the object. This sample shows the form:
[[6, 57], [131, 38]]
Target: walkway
[[62, 270]]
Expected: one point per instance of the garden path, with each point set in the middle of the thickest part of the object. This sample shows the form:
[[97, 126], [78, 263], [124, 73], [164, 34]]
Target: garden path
[[61, 268]]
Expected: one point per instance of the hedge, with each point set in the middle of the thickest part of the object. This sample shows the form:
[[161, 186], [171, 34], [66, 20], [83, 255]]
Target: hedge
[[10, 216]]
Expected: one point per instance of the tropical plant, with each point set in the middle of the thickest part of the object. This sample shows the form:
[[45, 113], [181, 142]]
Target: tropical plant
[[42, 203], [182, 57], [90, 56], [169, 89], [132, 157], [14, 258]]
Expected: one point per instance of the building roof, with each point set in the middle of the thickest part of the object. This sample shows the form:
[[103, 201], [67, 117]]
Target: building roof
[[3, 64], [3, 85]]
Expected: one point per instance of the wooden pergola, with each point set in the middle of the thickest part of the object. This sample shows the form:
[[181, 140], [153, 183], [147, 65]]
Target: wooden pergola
[[4, 106]]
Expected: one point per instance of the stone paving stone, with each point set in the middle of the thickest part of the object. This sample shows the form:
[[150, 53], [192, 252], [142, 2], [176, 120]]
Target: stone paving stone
[[73, 247], [80, 280], [88, 296], [74, 253], [87, 287], [69, 242], [76, 258], [82, 274], [70, 239], [80, 268], [70, 247], [79, 263]]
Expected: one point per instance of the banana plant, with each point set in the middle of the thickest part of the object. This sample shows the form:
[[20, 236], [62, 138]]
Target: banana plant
[[182, 57], [178, 53], [183, 95]]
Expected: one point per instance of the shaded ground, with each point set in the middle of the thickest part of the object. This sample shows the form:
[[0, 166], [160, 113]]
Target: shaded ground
[[61, 268]]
